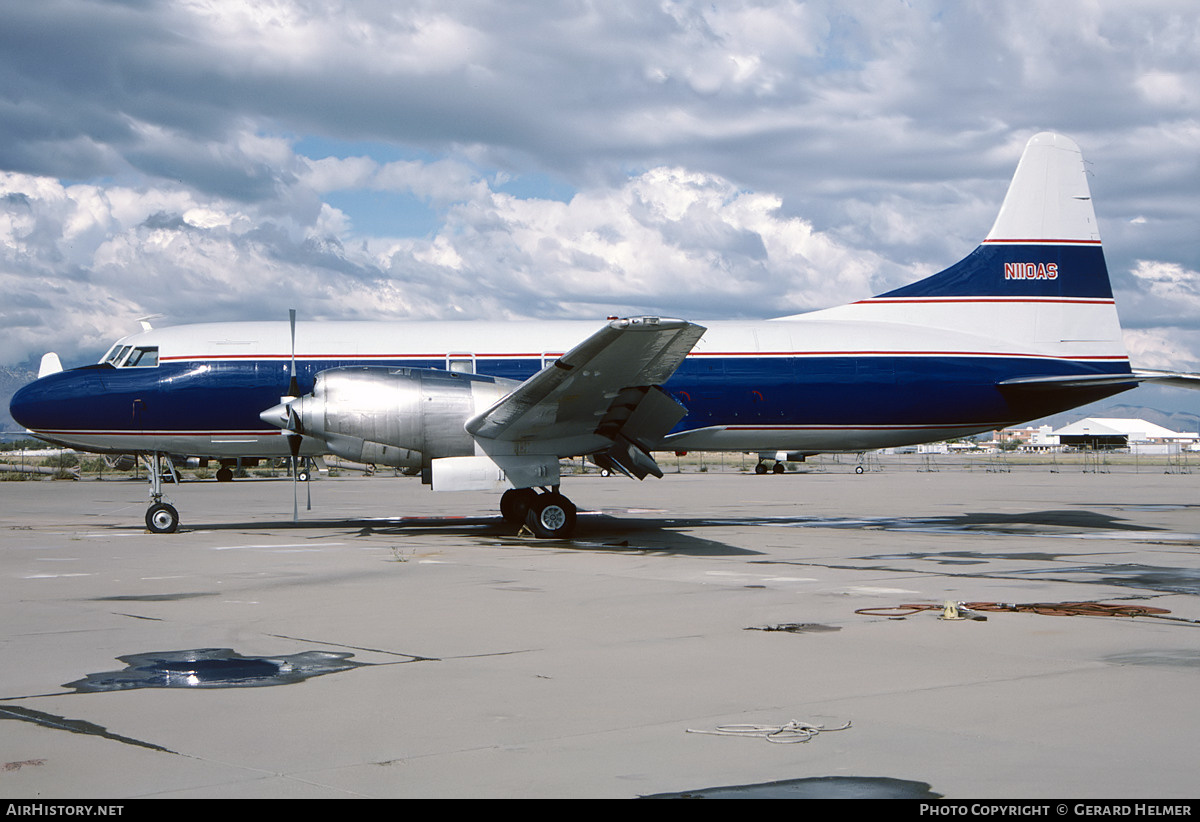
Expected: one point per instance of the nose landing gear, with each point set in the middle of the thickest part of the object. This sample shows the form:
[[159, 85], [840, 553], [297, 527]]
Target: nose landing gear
[[161, 517]]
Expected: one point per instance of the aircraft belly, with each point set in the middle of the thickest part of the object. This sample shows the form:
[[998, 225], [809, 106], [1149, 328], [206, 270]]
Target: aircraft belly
[[220, 445], [815, 438]]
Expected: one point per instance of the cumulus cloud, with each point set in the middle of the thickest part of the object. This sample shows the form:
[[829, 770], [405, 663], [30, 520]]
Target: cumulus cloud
[[209, 159], [668, 241]]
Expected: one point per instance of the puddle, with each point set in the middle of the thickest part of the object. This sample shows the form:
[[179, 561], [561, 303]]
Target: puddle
[[974, 557], [821, 787], [77, 726], [152, 597], [798, 628], [213, 668], [1182, 658], [1039, 523], [1142, 577]]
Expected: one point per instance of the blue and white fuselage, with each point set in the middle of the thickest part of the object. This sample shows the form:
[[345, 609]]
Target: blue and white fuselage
[[1023, 327], [828, 381]]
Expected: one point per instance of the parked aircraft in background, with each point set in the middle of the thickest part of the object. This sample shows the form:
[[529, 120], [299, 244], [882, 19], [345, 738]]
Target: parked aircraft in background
[[1023, 327]]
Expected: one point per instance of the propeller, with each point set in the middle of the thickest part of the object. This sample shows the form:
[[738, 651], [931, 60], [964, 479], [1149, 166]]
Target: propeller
[[294, 437]]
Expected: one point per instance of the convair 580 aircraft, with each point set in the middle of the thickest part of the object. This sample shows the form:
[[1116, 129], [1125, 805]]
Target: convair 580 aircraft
[[1023, 327]]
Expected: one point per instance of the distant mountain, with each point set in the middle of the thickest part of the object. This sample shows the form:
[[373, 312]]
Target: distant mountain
[[1180, 421]]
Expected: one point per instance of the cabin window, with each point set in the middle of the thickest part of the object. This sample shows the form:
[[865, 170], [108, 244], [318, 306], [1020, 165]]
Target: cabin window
[[461, 363]]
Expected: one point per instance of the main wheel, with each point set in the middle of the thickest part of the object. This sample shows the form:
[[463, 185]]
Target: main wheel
[[162, 518], [778, 469], [515, 503], [551, 516]]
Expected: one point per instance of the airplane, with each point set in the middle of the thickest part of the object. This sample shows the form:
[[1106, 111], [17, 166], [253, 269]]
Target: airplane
[[1023, 327]]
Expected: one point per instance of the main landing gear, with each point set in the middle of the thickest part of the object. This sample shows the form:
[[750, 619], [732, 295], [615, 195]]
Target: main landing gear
[[548, 514], [761, 468], [161, 517]]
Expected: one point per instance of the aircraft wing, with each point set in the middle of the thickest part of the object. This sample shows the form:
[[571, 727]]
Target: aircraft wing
[[601, 396]]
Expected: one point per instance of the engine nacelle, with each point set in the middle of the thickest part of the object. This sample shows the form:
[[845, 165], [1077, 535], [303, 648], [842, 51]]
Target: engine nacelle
[[400, 417]]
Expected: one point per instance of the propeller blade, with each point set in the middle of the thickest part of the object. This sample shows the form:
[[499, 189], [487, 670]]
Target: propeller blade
[[293, 384], [294, 447]]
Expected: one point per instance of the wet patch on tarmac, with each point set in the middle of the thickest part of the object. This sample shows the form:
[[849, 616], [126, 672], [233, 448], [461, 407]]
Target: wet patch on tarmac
[[1155, 578], [1032, 523], [77, 726], [974, 557], [213, 668], [152, 597], [1182, 658], [1175, 580], [821, 787], [798, 628]]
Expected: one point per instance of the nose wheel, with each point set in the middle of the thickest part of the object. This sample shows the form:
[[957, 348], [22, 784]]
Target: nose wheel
[[161, 517]]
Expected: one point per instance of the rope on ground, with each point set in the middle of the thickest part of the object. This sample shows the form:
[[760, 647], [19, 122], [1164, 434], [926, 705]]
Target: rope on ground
[[1047, 608], [788, 733]]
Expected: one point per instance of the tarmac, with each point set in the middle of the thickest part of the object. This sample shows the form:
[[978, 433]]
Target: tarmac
[[706, 634]]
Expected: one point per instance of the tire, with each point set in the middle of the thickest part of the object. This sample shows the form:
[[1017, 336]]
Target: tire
[[224, 474], [515, 503], [778, 469], [858, 469], [760, 469], [162, 518], [551, 516], [302, 475]]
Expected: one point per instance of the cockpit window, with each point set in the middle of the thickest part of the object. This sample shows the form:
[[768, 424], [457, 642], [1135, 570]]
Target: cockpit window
[[141, 357], [128, 356], [115, 354]]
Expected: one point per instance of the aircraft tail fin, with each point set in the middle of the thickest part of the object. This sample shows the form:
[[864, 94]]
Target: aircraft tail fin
[[1044, 244], [1037, 287]]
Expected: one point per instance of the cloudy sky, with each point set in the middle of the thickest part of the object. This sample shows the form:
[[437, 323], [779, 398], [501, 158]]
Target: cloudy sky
[[220, 159]]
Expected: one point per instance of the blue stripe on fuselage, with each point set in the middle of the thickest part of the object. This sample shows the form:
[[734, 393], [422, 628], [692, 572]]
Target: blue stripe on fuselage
[[869, 390]]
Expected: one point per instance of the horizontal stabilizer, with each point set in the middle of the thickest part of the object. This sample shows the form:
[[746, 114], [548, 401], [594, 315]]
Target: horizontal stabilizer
[[1179, 379], [1059, 381]]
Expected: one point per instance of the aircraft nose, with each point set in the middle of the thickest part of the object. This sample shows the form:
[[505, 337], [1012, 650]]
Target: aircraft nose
[[28, 406], [18, 407]]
